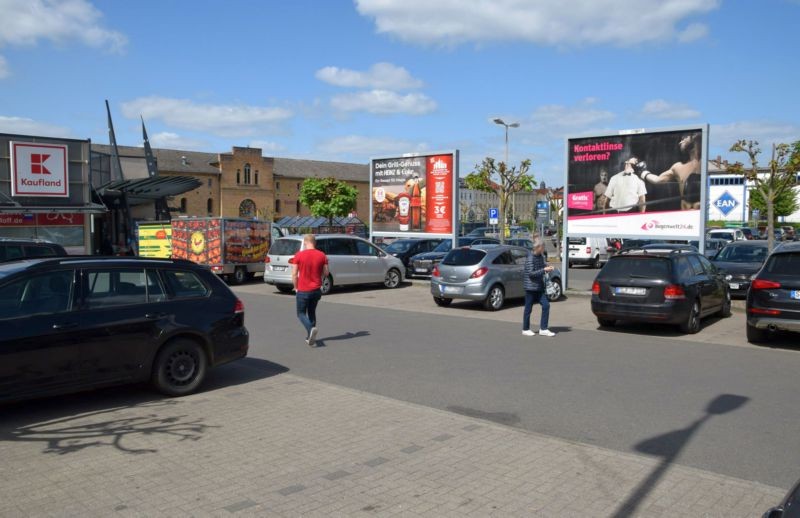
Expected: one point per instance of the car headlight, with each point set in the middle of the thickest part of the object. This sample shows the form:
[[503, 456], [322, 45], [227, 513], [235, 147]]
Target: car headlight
[[728, 277]]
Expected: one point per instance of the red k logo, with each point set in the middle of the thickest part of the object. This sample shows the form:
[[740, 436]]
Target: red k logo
[[37, 163]]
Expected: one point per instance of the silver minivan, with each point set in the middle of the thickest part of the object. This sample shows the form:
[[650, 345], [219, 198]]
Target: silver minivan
[[351, 260]]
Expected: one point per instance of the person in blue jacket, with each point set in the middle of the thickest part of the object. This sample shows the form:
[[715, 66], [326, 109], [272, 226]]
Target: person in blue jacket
[[535, 269]]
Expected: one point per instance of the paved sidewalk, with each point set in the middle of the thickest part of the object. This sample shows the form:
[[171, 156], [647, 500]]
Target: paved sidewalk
[[288, 446]]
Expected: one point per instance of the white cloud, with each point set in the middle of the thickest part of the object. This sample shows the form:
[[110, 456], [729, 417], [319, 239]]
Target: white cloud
[[722, 136], [559, 121], [221, 119], [661, 109], [28, 21], [25, 126], [694, 31], [4, 71], [583, 22], [384, 102], [267, 146], [366, 147], [169, 140], [381, 75]]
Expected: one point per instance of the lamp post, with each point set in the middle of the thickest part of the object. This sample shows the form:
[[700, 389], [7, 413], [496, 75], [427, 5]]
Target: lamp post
[[501, 122]]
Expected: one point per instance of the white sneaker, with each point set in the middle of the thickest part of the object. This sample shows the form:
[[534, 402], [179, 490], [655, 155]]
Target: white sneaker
[[546, 332], [312, 336], [528, 332]]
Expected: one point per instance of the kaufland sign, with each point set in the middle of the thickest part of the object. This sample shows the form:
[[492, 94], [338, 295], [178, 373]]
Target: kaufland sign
[[39, 170]]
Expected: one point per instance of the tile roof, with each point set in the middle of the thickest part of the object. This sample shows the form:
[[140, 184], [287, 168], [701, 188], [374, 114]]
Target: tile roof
[[171, 160], [295, 168]]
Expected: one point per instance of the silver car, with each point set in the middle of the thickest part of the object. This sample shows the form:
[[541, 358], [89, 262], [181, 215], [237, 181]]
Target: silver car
[[487, 273], [351, 260]]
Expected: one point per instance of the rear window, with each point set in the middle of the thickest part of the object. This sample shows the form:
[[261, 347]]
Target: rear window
[[577, 241], [647, 267], [464, 257], [783, 264], [444, 246], [285, 247]]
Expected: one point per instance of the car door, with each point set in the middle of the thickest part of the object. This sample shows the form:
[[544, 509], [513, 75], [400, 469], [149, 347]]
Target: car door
[[703, 285], [40, 343], [343, 260], [518, 257], [718, 285], [372, 267]]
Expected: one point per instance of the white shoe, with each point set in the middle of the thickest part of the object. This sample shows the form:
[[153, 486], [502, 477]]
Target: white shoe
[[546, 332], [528, 332], [312, 336]]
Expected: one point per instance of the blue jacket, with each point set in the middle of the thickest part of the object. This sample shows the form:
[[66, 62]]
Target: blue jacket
[[534, 273]]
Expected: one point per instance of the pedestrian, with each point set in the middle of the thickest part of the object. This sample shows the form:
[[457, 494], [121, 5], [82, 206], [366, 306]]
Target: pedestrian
[[534, 284], [309, 269]]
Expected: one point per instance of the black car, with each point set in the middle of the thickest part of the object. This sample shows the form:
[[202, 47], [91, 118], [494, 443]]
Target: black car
[[659, 286], [739, 261], [83, 322], [423, 264], [773, 301], [405, 249], [14, 249], [789, 507]]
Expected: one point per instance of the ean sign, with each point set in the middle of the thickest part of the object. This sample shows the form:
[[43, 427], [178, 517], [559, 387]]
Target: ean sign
[[726, 203]]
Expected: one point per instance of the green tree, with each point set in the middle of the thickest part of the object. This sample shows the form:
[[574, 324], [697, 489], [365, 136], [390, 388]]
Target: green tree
[[491, 176], [785, 204], [772, 182], [328, 197]]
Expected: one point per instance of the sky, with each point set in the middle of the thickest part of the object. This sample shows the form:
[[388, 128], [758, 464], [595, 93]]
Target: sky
[[352, 80]]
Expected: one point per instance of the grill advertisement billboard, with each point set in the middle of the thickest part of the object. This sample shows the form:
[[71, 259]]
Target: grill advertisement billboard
[[414, 195], [637, 184]]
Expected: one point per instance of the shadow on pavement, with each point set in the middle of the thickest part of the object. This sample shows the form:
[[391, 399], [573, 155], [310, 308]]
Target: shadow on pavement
[[656, 329], [668, 446], [112, 417], [346, 336]]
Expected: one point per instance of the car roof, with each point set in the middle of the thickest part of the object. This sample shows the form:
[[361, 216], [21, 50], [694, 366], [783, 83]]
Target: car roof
[[27, 240], [78, 260], [749, 242], [787, 247]]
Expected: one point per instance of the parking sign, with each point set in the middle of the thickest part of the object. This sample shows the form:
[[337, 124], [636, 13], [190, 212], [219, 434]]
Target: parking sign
[[494, 216]]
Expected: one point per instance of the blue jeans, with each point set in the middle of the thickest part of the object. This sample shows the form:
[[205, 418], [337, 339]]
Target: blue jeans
[[307, 308], [532, 297]]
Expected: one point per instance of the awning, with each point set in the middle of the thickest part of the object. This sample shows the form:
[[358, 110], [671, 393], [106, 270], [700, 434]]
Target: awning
[[143, 190]]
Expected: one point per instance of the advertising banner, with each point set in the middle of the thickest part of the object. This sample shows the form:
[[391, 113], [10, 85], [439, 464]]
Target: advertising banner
[[155, 240], [647, 184], [39, 170], [416, 195]]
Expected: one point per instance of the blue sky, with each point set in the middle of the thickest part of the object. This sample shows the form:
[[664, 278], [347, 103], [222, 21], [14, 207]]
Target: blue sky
[[347, 81]]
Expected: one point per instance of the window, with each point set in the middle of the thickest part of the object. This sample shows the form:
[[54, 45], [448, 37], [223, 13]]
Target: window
[[277, 206], [504, 258], [277, 186], [10, 252], [238, 177], [183, 205], [184, 284], [122, 287], [247, 209], [364, 248], [40, 251], [339, 247], [297, 206], [247, 174], [256, 176], [298, 187], [210, 205], [49, 292], [210, 182], [697, 266]]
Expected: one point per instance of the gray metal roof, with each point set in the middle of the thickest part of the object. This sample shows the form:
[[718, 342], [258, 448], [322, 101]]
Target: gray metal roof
[[295, 168], [171, 160]]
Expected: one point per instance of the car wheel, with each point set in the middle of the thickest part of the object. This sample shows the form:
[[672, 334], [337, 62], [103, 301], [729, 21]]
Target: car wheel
[[552, 297], [327, 285], [441, 301], [606, 322], [725, 310], [392, 279], [239, 275], [755, 334], [596, 262], [284, 289], [180, 367], [692, 323], [494, 300]]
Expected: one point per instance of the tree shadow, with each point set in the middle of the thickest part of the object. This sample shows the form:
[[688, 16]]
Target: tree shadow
[[668, 446]]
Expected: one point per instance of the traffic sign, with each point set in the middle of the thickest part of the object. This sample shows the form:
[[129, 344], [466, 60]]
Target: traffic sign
[[494, 216]]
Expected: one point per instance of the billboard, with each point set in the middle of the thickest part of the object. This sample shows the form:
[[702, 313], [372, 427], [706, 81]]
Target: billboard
[[416, 195], [39, 170], [639, 184]]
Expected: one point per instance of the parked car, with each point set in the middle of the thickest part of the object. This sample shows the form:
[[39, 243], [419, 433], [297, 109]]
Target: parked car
[[659, 286], [789, 506], [351, 260], [773, 301], [713, 246], [670, 246], [487, 273], [728, 234], [523, 242], [739, 261], [13, 249], [405, 249], [749, 233], [423, 263], [591, 251], [75, 323], [788, 233]]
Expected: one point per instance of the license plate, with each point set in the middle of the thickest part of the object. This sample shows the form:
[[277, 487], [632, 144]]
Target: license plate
[[795, 294], [625, 290], [278, 268], [421, 270], [734, 285], [452, 289]]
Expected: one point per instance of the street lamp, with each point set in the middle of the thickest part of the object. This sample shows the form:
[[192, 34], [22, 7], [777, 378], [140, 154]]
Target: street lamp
[[501, 122]]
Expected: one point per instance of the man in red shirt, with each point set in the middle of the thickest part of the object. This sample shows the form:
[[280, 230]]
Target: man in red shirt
[[309, 269]]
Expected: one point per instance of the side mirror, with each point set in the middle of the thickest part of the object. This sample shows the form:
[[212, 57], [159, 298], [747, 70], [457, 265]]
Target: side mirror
[[775, 512]]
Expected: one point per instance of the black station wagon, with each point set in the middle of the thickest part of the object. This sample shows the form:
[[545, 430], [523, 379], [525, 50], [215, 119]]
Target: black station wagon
[[77, 323]]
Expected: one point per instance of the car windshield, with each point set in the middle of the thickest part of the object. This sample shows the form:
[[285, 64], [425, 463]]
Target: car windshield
[[399, 247], [285, 247], [444, 246], [784, 264], [743, 254], [647, 267], [464, 257], [724, 235]]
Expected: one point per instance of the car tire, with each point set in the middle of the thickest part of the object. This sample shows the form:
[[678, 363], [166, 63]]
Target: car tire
[[596, 262], [495, 299], [392, 278], [606, 322], [327, 285], [557, 292], [284, 289], [238, 276], [692, 323], [725, 310], [755, 335], [441, 301], [179, 368]]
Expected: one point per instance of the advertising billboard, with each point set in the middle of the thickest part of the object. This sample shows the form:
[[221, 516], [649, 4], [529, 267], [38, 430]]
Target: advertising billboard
[[414, 195], [640, 184], [39, 170]]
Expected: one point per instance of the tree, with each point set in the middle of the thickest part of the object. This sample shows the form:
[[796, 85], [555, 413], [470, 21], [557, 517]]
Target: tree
[[498, 178], [328, 197], [779, 177], [785, 204]]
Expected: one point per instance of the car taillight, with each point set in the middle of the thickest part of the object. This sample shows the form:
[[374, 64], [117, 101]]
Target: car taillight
[[480, 272], [761, 284], [760, 311], [595, 288], [588, 249], [291, 260], [266, 259], [674, 292], [435, 272], [238, 307]]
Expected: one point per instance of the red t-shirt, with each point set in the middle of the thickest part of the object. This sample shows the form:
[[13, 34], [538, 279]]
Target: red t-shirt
[[309, 269]]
